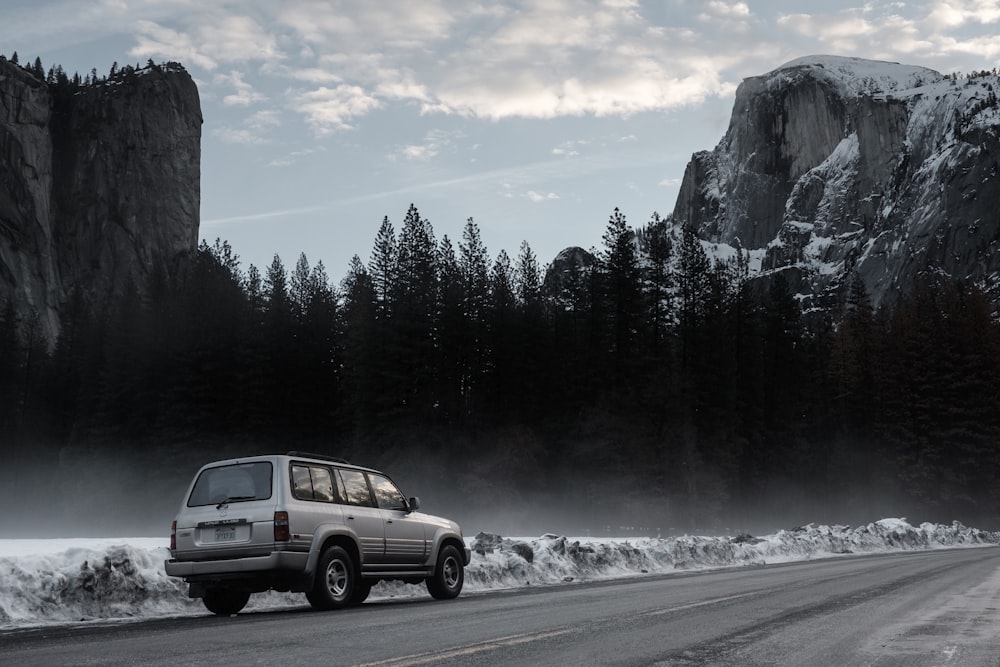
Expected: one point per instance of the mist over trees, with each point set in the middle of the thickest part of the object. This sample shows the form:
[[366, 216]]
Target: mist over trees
[[652, 377]]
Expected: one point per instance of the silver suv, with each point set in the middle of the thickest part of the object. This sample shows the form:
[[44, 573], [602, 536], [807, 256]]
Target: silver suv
[[307, 523]]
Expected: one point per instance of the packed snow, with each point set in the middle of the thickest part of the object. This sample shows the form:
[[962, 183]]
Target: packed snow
[[65, 581]]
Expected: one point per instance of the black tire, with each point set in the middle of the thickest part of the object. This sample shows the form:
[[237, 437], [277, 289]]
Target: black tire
[[449, 575], [225, 603], [361, 592], [336, 580]]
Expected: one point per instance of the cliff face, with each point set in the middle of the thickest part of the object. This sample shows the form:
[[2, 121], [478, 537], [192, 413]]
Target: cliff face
[[99, 185], [833, 165]]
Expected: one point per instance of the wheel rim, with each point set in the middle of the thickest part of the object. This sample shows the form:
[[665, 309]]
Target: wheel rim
[[451, 571], [336, 578]]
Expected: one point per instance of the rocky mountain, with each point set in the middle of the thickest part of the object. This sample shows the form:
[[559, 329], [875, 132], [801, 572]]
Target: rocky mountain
[[835, 165], [99, 184]]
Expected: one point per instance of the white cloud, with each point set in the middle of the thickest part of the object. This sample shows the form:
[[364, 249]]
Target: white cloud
[[238, 135], [545, 59], [539, 197], [954, 13], [245, 95], [330, 109], [265, 118], [925, 32], [740, 9], [160, 42], [569, 148], [670, 183], [295, 156], [433, 143], [252, 131]]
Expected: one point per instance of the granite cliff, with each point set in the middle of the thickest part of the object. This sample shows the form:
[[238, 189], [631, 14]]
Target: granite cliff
[[99, 184], [834, 165]]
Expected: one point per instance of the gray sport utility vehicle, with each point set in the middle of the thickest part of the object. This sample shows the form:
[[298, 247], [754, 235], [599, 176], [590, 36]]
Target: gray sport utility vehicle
[[307, 523]]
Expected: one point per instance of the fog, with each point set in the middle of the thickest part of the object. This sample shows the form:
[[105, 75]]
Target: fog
[[80, 494]]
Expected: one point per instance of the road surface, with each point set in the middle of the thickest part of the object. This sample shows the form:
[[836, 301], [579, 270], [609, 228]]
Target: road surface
[[918, 608]]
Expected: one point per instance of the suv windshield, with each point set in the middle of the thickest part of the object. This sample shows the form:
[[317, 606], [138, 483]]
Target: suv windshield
[[240, 482]]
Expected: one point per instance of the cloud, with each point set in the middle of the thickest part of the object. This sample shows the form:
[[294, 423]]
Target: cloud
[[955, 13], [295, 156], [433, 143], [538, 197], [252, 130], [267, 215], [737, 9], [932, 30], [238, 135], [159, 42], [338, 60], [205, 38], [330, 109], [245, 95]]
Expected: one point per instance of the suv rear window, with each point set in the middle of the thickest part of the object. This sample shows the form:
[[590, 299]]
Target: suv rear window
[[234, 483]]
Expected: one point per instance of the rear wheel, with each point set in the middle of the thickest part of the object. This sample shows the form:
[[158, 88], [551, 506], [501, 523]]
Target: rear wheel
[[225, 603], [446, 583], [336, 581]]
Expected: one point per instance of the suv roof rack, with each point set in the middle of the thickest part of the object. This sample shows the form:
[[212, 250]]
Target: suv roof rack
[[322, 457]]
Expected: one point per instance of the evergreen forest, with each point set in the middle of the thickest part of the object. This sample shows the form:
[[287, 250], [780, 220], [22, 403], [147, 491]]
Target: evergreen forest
[[649, 384]]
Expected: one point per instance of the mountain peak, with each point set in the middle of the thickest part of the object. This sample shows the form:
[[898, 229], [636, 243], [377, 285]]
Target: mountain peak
[[834, 167], [856, 76]]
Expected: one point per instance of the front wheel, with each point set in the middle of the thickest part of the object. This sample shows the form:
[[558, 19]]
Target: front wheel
[[336, 580], [225, 603], [446, 582]]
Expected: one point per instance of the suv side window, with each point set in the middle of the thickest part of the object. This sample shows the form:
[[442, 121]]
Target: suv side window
[[388, 494], [312, 483], [355, 486]]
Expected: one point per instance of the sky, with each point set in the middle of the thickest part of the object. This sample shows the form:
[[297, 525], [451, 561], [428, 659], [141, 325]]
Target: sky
[[536, 119]]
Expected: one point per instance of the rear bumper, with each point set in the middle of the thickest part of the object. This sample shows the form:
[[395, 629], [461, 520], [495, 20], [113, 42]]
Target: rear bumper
[[283, 561]]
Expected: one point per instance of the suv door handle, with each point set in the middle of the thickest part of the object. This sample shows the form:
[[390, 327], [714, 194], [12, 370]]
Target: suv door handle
[[350, 517]]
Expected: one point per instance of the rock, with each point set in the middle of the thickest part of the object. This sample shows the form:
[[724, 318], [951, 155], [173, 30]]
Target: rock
[[524, 551], [834, 165], [99, 185], [484, 543]]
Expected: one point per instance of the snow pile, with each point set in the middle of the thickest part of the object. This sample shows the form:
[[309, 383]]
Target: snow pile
[[79, 583], [45, 582], [505, 563]]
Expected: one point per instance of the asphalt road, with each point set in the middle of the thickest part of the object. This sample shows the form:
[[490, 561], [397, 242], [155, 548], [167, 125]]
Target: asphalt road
[[922, 608]]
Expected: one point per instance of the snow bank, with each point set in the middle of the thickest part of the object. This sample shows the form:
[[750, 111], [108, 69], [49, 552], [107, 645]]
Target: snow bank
[[44, 582], [505, 563]]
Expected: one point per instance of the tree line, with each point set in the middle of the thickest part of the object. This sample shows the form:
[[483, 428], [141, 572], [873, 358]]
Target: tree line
[[642, 371]]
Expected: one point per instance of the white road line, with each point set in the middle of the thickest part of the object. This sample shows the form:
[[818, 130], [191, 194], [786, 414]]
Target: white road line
[[692, 605], [471, 649]]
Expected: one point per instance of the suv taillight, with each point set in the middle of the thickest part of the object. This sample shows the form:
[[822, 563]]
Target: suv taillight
[[281, 533], [173, 535]]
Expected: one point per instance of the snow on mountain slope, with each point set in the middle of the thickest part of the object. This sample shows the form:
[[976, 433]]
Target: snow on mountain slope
[[838, 165]]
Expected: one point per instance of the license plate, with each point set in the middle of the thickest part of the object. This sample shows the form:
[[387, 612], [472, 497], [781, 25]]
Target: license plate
[[225, 533]]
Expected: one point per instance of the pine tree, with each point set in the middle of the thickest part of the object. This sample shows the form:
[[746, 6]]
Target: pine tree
[[527, 277], [364, 398], [620, 264], [384, 265], [415, 304]]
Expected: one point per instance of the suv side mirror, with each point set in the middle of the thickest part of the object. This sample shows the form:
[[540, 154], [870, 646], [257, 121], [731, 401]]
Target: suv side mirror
[[414, 504]]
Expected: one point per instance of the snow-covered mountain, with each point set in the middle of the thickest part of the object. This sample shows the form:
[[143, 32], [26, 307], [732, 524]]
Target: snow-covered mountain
[[832, 165]]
